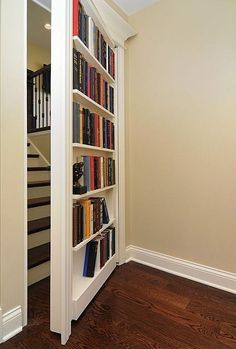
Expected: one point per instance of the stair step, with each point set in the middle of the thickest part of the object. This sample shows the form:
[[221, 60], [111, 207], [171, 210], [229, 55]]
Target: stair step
[[33, 156], [39, 202], [35, 184], [38, 255], [39, 225], [39, 168], [47, 128]]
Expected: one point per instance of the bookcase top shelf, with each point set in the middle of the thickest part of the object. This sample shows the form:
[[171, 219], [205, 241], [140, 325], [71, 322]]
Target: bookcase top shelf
[[83, 243], [80, 46], [91, 147], [89, 103], [92, 193]]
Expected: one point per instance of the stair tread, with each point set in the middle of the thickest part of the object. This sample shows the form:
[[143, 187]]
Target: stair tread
[[33, 156], [39, 225], [38, 168], [38, 255], [34, 184], [43, 201]]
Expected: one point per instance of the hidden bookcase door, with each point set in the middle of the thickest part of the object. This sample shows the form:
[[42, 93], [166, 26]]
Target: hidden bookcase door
[[87, 142]]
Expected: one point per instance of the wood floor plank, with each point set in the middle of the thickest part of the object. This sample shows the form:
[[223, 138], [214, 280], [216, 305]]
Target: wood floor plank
[[138, 308]]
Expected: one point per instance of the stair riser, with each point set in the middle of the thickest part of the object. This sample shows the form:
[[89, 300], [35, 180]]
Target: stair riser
[[38, 192], [38, 239], [38, 212], [38, 273], [38, 175], [34, 162]]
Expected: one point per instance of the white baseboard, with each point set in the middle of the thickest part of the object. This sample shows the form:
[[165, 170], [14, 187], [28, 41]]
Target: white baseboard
[[10, 323], [206, 275]]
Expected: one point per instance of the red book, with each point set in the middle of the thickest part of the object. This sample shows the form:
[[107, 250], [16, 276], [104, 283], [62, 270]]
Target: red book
[[75, 17], [91, 159], [102, 91]]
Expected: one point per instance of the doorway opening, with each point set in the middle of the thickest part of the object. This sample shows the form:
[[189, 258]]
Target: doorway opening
[[38, 155]]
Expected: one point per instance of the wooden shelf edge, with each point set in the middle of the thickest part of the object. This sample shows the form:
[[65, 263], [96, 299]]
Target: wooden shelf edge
[[84, 242], [92, 147], [84, 50], [92, 193], [91, 104]]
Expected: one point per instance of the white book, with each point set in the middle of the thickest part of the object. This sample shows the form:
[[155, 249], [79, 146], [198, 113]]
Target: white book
[[91, 34]]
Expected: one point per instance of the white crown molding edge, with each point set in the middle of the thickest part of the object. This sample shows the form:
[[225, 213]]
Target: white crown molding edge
[[119, 29], [10, 323], [213, 277]]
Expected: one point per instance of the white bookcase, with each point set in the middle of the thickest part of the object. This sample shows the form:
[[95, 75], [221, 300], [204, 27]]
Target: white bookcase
[[71, 292]]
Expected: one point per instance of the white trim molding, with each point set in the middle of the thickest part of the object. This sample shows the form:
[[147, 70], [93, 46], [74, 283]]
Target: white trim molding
[[10, 323], [206, 275]]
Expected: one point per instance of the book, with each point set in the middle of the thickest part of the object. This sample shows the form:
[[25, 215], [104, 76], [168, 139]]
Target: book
[[90, 258]]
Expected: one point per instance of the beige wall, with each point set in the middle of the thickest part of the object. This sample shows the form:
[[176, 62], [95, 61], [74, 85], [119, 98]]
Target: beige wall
[[37, 56], [12, 153], [181, 149]]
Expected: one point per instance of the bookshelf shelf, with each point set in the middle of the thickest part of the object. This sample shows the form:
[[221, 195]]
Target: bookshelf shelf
[[89, 103], [83, 243], [92, 60], [90, 286], [92, 193], [91, 147]]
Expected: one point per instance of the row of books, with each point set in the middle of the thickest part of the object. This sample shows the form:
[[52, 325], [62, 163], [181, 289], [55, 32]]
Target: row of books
[[99, 251], [92, 129], [89, 216], [85, 28], [87, 80], [99, 172]]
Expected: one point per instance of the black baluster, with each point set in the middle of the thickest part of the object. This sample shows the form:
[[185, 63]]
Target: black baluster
[[43, 114], [47, 121]]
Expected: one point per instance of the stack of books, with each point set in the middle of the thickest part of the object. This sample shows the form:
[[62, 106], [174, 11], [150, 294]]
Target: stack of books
[[105, 245], [99, 172], [92, 129], [91, 83], [85, 28], [89, 216]]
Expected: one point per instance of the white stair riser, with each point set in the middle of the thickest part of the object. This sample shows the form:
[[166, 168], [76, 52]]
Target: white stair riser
[[38, 192], [38, 239], [38, 175], [38, 273], [33, 162], [38, 212]]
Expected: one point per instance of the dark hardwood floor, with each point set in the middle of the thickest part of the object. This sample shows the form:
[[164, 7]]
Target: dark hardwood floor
[[138, 308]]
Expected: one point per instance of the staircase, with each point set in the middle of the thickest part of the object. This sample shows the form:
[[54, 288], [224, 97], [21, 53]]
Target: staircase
[[38, 216]]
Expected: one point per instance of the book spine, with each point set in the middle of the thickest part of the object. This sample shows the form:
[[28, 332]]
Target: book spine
[[86, 172], [75, 17], [92, 187], [101, 168]]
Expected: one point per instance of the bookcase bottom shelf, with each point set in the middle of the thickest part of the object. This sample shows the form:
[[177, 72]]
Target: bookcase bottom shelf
[[94, 285]]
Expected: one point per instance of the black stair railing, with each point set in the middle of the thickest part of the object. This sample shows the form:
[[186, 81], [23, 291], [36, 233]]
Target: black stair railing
[[39, 99]]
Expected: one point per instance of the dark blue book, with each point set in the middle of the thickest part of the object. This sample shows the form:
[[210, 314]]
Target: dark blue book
[[90, 258], [86, 161]]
